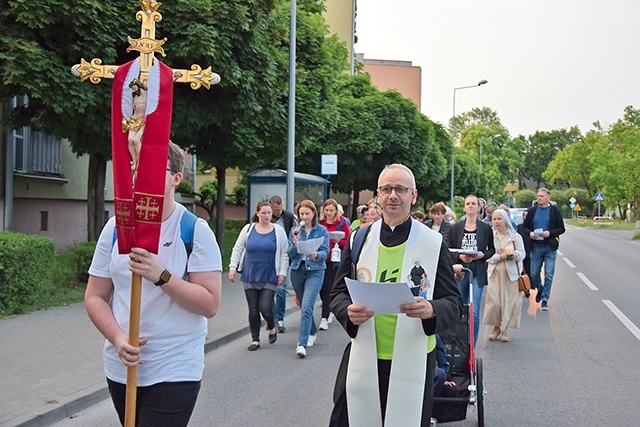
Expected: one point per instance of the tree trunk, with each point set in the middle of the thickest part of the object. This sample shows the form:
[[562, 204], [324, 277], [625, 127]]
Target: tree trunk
[[95, 196], [221, 177], [356, 198]]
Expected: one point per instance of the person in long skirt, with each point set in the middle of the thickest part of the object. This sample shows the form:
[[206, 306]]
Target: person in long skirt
[[503, 305]]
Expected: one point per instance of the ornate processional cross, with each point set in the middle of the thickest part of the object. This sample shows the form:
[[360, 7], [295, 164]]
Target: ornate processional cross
[[146, 45], [142, 97]]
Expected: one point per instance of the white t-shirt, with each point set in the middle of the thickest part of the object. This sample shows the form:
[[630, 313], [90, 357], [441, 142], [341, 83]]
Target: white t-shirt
[[175, 350]]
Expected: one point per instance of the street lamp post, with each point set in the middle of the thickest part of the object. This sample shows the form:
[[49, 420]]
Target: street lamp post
[[453, 134]]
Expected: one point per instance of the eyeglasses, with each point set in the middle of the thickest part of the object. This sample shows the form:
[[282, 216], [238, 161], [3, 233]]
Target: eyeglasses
[[173, 171], [400, 190]]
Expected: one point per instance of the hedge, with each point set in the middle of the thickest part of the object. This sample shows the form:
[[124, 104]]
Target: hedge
[[26, 265]]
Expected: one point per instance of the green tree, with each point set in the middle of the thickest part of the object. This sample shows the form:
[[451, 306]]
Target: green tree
[[39, 42], [243, 123], [615, 162], [206, 198], [376, 129], [541, 149], [484, 116], [572, 164], [502, 158], [524, 198], [354, 139]]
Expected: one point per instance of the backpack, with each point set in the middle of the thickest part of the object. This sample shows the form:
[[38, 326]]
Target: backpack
[[187, 230]]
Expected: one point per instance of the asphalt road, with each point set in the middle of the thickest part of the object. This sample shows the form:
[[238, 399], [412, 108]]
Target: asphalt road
[[571, 366]]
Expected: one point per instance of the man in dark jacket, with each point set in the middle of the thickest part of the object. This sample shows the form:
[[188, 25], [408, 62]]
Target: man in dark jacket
[[287, 220], [544, 225]]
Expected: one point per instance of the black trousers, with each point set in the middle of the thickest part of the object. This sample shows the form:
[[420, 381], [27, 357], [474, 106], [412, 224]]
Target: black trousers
[[327, 285], [259, 302], [158, 405], [340, 416]]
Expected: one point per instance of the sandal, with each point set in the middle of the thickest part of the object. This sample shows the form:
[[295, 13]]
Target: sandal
[[494, 334]]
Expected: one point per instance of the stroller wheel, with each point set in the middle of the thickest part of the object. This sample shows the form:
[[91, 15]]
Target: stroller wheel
[[480, 388]]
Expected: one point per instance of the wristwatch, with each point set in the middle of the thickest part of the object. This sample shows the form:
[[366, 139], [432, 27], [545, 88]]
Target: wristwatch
[[164, 278]]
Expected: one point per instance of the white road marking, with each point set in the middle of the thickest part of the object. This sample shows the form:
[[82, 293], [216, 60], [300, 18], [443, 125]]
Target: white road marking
[[560, 253], [569, 263], [624, 319], [587, 282]]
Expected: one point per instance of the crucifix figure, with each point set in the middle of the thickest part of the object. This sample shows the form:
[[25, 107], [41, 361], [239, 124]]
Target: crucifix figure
[[147, 45], [141, 109]]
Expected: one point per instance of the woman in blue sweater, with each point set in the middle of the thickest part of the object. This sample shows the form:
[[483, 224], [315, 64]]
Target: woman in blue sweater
[[261, 254]]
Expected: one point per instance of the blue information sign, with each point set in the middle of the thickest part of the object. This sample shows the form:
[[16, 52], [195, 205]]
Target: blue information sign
[[599, 197]]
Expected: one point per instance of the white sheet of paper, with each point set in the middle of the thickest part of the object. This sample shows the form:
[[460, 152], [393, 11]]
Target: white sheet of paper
[[538, 232], [464, 251], [306, 247], [381, 298]]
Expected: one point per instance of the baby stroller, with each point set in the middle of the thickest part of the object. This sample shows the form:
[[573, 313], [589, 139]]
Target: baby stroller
[[466, 370]]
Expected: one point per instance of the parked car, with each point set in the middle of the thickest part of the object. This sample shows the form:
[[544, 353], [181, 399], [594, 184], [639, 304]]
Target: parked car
[[516, 215]]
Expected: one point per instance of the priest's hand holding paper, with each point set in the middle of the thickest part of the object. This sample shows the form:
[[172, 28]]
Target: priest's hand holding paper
[[421, 309], [358, 314]]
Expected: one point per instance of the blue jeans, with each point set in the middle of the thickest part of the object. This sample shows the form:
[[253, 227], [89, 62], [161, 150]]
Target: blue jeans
[[477, 299], [542, 253], [307, 284], [280, 305]]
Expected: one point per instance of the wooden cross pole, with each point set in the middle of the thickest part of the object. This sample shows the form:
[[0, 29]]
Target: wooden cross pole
[[94, 71]]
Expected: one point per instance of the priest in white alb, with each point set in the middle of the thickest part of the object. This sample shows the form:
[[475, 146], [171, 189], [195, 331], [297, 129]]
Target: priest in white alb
[[386, 375]]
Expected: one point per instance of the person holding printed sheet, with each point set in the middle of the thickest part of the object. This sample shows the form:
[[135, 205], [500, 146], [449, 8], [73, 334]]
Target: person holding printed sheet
[[307, 270], [390, 360]]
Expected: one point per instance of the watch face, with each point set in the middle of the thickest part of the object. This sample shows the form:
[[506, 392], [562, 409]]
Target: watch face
[[164, 278]]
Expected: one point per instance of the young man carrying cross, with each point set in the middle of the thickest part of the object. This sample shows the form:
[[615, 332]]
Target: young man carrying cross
[[179, 293]]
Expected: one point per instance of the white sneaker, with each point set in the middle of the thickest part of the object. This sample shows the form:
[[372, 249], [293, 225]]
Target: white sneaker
[[311, 340], [331, 317], [301, 352], [324, 324]]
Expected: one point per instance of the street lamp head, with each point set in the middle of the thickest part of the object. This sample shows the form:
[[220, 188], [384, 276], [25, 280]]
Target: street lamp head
[[481, 82]]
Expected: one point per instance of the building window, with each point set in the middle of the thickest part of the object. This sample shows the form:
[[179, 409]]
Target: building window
[[44, 220], [35, 151]]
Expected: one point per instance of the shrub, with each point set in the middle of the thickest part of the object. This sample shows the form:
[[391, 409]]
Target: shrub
[[81, 256], [185, 187], [524, 198], [26, 263]]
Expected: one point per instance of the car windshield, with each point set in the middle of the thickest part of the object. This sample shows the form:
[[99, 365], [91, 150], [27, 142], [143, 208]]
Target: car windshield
[[516, 215]]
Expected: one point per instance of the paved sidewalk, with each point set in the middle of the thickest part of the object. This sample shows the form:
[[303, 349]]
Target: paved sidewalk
[[52, 360]]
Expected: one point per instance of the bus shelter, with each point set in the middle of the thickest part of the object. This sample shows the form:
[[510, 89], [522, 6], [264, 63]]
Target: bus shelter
[[265, 183]]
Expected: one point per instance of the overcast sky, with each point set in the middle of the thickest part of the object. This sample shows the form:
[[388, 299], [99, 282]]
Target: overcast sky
[[550, 64]]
